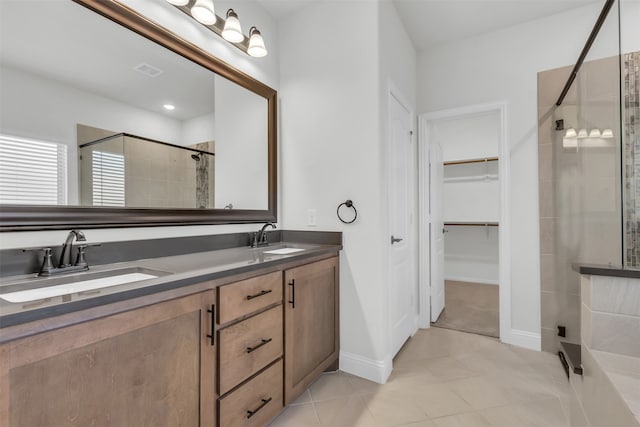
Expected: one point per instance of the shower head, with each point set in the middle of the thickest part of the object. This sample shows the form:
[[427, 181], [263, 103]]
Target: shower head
[[197, 157]]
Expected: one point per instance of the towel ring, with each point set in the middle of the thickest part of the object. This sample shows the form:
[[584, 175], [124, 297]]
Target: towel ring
[[349, 204]]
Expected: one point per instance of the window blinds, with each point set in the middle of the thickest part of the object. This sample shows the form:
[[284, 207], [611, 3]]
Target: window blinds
[[108, 178], [32, 172]]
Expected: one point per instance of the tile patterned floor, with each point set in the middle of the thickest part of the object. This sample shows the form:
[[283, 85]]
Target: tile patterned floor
[[442, 378]]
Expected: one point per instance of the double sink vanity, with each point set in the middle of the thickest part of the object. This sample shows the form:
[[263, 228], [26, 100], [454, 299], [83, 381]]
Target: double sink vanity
[[224, 337]]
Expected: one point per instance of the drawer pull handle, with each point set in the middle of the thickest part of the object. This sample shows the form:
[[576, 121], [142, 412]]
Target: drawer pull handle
[[250, 297], [262, 405], [213, 324], [292, 301], [263, 342]]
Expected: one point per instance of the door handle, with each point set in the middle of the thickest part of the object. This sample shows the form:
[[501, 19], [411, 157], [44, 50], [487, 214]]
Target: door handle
[[395, 240]]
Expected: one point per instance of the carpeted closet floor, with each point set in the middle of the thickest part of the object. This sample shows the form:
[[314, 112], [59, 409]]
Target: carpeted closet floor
[[470, 307]]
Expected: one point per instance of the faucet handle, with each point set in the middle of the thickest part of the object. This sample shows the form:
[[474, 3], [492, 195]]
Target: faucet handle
[[47, 261], [80, 258]]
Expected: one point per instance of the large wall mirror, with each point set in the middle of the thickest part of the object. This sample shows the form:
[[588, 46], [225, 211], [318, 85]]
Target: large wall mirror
[[109, 120]]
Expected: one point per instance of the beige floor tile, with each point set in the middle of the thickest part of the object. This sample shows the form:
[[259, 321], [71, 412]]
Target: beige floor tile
[[297, 416], [303, 398], [437, 400], [544, 413], [480, 392], [425, 423], [363, 386], [463, 420], [448, 368], [346, 412], [394, 409], [331, 386]]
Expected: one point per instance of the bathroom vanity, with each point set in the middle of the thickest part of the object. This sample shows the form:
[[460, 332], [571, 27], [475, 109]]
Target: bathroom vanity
[[228, 338]]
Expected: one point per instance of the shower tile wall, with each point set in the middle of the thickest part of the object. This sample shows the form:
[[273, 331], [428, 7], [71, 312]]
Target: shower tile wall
[[578, 191], [631, 142]]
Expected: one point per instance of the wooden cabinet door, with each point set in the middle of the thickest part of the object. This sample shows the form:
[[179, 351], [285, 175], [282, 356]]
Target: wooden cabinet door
[[311, 324], [152, 366]]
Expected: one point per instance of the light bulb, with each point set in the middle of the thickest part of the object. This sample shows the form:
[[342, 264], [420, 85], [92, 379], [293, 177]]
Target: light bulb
[[203, 12], [256, 44], [178, 2], [232, 30]]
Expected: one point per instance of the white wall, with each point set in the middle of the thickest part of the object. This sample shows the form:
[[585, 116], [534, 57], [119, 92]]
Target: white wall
[[241, 172], [264, 69], [499, 66], [333, 93], [471, 254], [38, 108]]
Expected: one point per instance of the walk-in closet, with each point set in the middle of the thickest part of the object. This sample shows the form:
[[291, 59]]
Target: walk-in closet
[[470, 146]]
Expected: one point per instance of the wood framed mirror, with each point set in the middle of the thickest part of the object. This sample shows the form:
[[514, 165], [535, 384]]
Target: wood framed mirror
[[222, 173]]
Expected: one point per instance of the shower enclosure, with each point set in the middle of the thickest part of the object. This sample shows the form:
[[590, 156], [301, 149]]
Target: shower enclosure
[[589, 178], [128, 170]]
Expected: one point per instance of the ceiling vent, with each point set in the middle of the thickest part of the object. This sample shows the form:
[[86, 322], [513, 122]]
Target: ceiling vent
[[148, 70]]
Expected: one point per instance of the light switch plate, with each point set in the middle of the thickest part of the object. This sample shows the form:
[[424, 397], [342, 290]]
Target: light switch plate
[[311, 217]]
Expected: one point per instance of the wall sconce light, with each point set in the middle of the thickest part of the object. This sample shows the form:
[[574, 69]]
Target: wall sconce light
[[229, 28]]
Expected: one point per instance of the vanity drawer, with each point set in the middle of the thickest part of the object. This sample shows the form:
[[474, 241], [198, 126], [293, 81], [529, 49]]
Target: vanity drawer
[[256, 402], [241, 298], [249, 346]]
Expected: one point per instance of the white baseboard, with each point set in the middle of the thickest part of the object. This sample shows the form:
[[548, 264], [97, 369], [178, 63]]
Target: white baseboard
[[525, 339], [374, 370], [472, 280]]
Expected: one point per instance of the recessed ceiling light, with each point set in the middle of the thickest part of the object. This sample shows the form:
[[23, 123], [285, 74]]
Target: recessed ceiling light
[[169, 107]]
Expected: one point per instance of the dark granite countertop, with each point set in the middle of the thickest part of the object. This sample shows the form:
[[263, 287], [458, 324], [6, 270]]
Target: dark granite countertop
[[605, 270], [179, 271]]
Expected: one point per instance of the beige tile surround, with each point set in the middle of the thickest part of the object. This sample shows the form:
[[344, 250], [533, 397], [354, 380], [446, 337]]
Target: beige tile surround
[[610, 351], [442, 378]]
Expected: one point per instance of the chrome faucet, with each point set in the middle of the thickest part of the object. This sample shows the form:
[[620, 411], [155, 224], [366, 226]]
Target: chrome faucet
[[67, 248], [260, 237]]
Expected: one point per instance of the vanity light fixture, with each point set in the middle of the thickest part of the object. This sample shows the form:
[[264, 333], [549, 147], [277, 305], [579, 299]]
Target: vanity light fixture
[[256, 44], [571, 133], [607, 133], [582, 133], [595, 133], [204, 12], [232, 30], [229, 28]]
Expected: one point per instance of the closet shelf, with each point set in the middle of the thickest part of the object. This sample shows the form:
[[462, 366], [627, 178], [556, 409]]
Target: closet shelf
[[467, 161], [472, 224]]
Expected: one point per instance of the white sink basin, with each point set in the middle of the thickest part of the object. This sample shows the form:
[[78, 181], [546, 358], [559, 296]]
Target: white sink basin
[[74, 287], [283, 251]]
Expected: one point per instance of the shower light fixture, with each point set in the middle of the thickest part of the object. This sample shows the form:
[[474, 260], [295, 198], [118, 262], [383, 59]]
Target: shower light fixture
[[169, 107], [229, 28]]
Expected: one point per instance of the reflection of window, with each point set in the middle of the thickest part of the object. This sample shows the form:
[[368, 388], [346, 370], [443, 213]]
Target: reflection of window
[[32, 172], [108, 179]]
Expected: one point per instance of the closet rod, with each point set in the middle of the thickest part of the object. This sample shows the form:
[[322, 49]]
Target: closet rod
[[464, 162], [472, 224]]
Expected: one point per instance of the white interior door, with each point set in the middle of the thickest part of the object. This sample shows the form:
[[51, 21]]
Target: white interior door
[[436, 230], [403, 285]]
